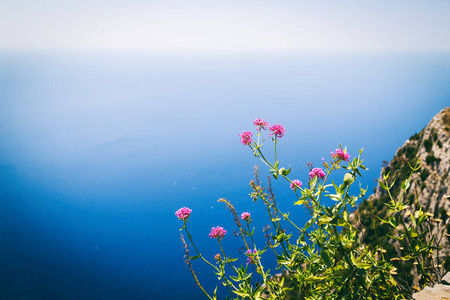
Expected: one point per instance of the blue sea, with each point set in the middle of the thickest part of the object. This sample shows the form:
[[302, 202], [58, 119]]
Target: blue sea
[[98, 151]]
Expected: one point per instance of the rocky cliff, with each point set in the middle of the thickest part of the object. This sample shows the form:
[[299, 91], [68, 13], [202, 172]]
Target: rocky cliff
[[432, 147], [429, 192]]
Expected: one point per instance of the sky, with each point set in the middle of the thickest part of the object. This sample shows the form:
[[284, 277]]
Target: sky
[[224, 26]]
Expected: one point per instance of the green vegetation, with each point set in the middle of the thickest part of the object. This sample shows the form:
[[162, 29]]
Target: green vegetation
[[416, 137], [428, 143], [424, 173], [435, 136], [409, 151], [431, 159]]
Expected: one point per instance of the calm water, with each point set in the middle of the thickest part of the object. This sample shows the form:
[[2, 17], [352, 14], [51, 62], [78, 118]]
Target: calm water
[[98, 151]]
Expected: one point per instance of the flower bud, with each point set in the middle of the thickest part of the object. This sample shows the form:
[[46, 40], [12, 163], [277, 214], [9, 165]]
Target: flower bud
[[348, 179]]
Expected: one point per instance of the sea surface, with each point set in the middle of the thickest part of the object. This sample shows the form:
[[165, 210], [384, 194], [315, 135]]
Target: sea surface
[[98, 150]]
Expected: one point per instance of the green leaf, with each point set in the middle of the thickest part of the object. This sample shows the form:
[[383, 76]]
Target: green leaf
[[338, 190], [300, 202], [392, 184], [325, 220], [349, 178], [398, 238], [364, 265], [315, 278], [243, 294], [313, 182], [392, 221], [413, 220], [341, 222], [405, 184], [343, 273], [309, 223], [382, 185], [325, 258], [354, 262], [335, 197], [246, 277], [284, 172], [194, 257]]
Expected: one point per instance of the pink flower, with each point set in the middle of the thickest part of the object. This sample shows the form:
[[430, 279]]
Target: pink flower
[[217, 232], [183, 213], [245, 216], [217, 257], [246, 138], [317, 172], [339, 154], [249, 259], [278, 130], [260, 124], [296, 184]]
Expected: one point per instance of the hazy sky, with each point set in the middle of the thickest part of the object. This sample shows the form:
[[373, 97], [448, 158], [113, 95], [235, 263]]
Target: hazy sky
[[223, 26]]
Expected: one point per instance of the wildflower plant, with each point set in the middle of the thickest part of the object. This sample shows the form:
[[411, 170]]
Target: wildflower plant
[[325, 258]]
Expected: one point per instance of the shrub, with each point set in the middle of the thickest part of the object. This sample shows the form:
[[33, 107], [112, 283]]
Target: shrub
[[424, 173], [431, 159], [409, 151], [415, 137], [428, 143]]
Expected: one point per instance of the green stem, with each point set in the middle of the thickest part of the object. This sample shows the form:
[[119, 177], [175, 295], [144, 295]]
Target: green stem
[[286, 218], [224, 256], [196, 250], [276, 148], [277, 226]]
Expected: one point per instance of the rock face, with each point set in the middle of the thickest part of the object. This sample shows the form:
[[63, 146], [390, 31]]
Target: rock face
[[432, 146], [430, 187], [438, 291]]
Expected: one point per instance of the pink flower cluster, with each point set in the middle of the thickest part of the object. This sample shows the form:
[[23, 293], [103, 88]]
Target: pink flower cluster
[[217, 232], [183, 213], [260, 124], [296, 184], [277, 130], [246, 138], [340, 154], [317, 172], [249, 259], [245, 216]]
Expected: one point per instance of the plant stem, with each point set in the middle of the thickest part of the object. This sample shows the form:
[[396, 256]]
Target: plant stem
[[196, 250]]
